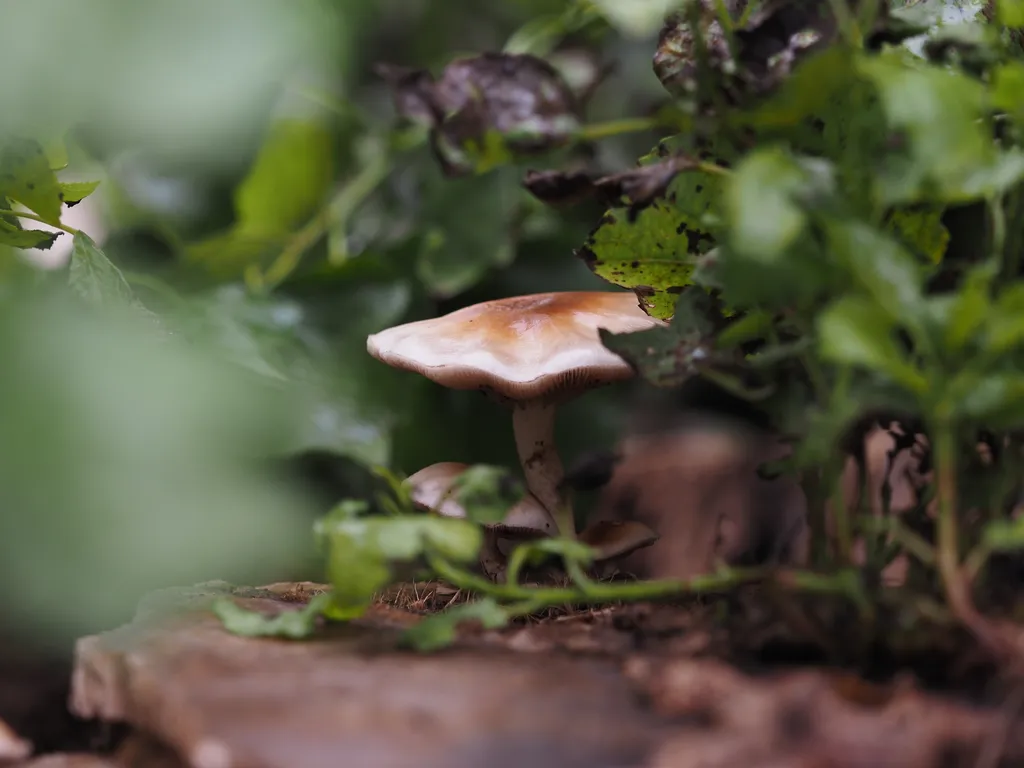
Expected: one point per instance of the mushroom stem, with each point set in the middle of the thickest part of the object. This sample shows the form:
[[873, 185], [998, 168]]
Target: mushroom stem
[[533, 423]]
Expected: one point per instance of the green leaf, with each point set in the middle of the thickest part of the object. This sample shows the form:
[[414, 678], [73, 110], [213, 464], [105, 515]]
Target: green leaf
[[438, 631], [995, 400], [1007, 89], [1004, 535], [95, 279], [949, 155], [888, 273], [288, 180], [363, 549], [655, 249], [853, 331], [26, 177], [761, 205], [12, 234], [1005, 327], [487, 493], [1010, 13], [668, 356], [637, 18], [970, 309], [73, 192], [467, 224], [292, 624], [920, 230]]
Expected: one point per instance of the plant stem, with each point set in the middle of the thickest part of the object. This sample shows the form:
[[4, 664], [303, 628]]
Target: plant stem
[[36, 217], [335, 214], [590, 591], [954, 580], [596, 131]]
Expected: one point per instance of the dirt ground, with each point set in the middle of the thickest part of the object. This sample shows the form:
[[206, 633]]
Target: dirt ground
[[703, 683]]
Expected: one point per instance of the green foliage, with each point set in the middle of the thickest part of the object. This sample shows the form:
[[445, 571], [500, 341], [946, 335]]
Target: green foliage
[[438, 631]]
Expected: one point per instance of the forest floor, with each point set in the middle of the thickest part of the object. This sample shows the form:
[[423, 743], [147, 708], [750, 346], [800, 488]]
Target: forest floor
[[687, 684]]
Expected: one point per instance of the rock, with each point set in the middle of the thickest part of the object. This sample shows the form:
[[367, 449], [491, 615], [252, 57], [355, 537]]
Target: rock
[[70, 761], [349, 698], [808, 718]]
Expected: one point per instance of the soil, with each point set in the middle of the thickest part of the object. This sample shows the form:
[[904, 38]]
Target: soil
[[697, 683]]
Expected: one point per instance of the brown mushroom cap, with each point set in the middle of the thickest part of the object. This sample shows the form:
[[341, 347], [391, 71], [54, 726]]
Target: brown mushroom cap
[[520, 347]]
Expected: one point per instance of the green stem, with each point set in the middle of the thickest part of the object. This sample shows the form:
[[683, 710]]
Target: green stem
[[590, 592], [35, 217], [906, 538], [846, 22], [335, 214], [596, 131]]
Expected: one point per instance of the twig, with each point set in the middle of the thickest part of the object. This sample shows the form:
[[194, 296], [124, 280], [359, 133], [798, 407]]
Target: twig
[[36, 217]]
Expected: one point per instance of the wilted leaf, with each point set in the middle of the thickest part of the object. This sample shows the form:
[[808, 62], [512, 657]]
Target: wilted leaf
[[74, 192], [439, 630], [560, 188], [652, 249], [486, 109], [292, 624], [26, 177]]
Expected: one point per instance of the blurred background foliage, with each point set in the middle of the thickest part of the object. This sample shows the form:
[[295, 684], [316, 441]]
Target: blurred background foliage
[[258, 196]]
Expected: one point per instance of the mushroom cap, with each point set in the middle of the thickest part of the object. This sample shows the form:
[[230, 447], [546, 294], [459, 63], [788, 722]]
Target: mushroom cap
[[520, 347], [428, 487], [613, 539]]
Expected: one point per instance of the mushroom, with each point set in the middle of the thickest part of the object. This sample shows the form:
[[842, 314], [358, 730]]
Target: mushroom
[[531, 352], [430, 490]]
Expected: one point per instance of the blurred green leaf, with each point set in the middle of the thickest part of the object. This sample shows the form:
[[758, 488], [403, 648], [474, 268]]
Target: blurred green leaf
[[637, 18], [363, 549], [668, 356], [72, 192], [157, 448], [438, 631], [487, 493], [93, 277], [995, 400], [970, 309], [467, 229], [288, 179], [1010, 13], [1004, 535], [949, 153], [292, 624], [920, 230], [26, 177], [1008, 89], [853, 331]]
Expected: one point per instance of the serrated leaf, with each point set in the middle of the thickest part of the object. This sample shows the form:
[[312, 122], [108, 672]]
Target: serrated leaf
[[438, 631], [13, 235], [26, 177], [288, 179], [74, 192], [94, 277], [654, 250]]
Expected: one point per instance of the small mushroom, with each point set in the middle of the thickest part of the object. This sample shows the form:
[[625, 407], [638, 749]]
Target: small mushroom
[[528, 520], [532, 352], [617, 538]]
